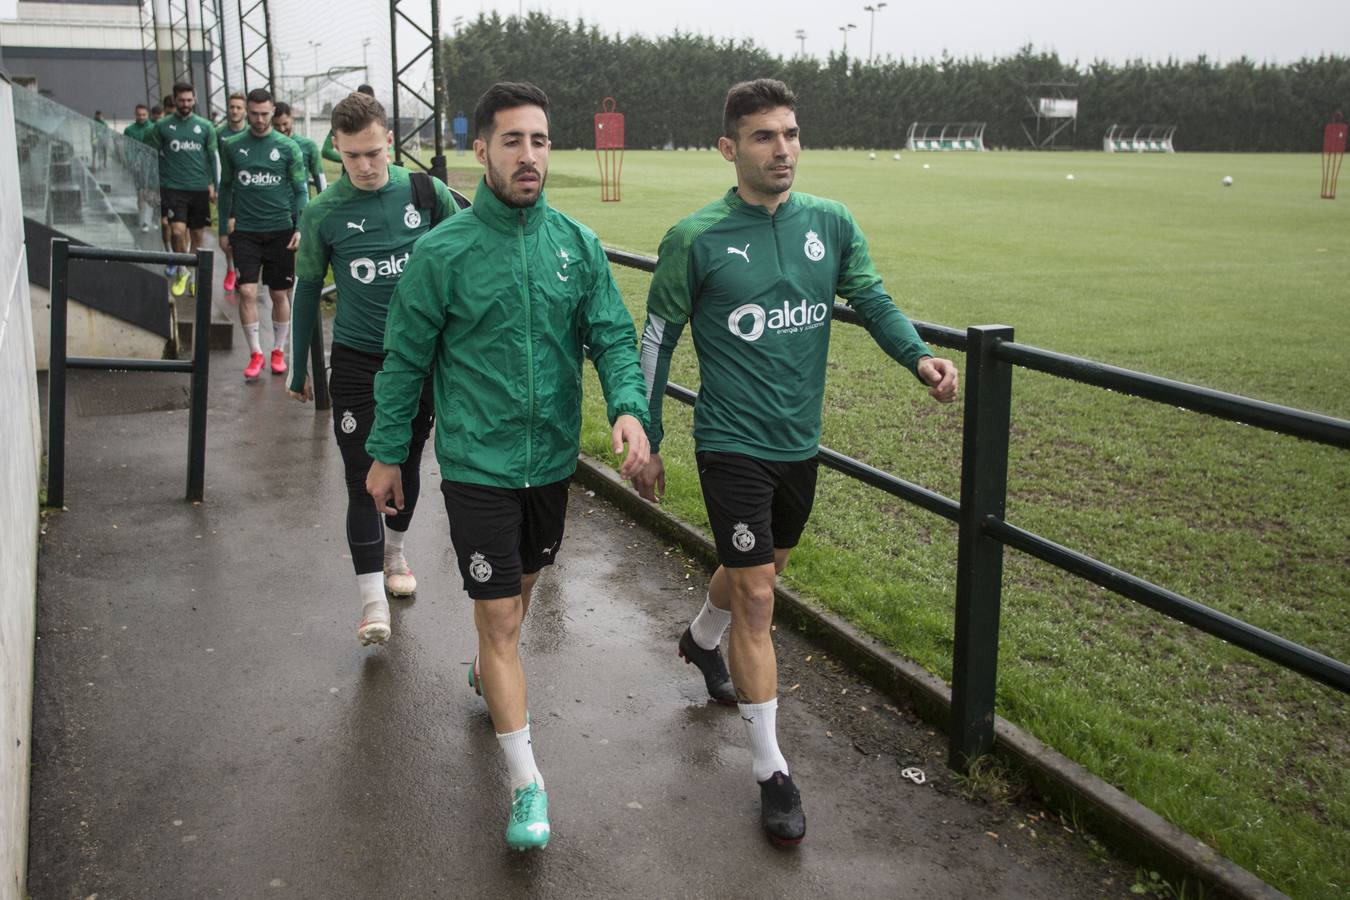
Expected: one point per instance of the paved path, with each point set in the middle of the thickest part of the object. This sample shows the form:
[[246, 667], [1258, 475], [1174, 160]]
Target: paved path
[[206, 723]]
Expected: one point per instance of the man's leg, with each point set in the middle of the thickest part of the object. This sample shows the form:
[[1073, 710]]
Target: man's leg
[[178, 234], [281, 328], [248, 320]]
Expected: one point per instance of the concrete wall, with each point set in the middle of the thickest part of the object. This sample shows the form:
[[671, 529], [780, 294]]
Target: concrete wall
[[20, 448]]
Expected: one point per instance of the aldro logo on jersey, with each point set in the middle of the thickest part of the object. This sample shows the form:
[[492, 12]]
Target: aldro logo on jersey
[[785, 319], [365, 269], [177, 145], [258, 179]]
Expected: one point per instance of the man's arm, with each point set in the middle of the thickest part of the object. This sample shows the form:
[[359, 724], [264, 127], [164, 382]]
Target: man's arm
[[328, 152], [225, 200], [316, 169], [861, 287], [299, 183], [311, 264], [417, 316], [212, 159], [607, 330]]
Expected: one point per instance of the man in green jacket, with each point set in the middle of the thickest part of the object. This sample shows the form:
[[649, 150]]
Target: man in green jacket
[[282, 121], [262, 190], [145, 202], [755, 275], [364, 227], [187, 175], [499, 305]]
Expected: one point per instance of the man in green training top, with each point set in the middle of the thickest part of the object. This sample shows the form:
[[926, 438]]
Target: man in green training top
[[187, 175], [755, 275], [499, 306], [233, 126], [262, 190], [145, 203], [364, 227], [282, 121]]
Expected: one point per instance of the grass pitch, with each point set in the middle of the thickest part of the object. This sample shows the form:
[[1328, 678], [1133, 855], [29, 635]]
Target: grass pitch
[[1145, 262]]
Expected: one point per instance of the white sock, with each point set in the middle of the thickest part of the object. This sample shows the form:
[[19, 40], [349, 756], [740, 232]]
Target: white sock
[[761, 723], [520, 767], [393, 545], [370, 586], [709, 625], [251, 335], [280, 332]]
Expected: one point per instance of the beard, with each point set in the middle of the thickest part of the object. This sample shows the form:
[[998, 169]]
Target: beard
[[504, 186]]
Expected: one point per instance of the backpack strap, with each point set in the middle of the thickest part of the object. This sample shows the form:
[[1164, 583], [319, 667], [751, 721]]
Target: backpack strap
[[424, 195]]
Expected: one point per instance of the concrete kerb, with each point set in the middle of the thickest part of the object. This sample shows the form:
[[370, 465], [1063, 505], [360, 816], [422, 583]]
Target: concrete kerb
[[1131, 828]]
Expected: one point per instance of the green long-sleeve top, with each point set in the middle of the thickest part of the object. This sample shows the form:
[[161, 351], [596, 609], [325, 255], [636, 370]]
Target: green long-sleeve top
[[187, 152], [313, 162], [262, 183], [499, 306], [329, 152], [758, 291], [367, 238]]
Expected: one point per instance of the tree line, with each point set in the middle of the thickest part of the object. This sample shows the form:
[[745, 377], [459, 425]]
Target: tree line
[[670, 90]]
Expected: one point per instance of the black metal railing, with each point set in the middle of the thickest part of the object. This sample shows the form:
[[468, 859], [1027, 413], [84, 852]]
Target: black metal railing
[[62, 252], [983, 532]]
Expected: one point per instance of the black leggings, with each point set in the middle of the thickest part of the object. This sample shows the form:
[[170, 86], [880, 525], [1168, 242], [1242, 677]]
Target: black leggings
[[353, 390]]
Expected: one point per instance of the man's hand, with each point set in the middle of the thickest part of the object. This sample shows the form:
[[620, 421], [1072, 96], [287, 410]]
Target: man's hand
[[295, 241], [305, 394], [628, 430], [940, 376], [650, 480], [385, 483], [224, 242], [211, 193]]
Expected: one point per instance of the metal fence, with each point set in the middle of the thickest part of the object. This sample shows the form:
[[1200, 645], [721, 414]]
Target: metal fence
[[197, 367], [983, 532]]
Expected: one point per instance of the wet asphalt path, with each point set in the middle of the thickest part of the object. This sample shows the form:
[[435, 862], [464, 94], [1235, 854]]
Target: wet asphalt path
[[206, 723]]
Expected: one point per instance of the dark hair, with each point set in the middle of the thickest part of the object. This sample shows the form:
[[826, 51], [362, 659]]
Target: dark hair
[[156, 110], [259, 95], [282, 109], [365, 89], [183, 87], [750, 97], [357, 112], [142, 106], [505, 95]]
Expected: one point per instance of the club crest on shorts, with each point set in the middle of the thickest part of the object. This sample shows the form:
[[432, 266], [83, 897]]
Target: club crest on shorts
[[743, 539], [815, 250], [348, 423], [480, 570], [411, 216]]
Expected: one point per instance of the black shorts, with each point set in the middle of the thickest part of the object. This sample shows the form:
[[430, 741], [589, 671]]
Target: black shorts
[[191, 207], [755, 505], [265, 252], [352, 387], [500, 534]]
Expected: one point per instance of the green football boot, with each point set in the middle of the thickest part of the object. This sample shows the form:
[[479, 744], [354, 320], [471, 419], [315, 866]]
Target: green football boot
[[528, 828]]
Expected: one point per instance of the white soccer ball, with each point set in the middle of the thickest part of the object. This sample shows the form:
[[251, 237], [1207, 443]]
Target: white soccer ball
[[871, 156], [925, 165], [1068, 178], [1227, 181], [896, 156]]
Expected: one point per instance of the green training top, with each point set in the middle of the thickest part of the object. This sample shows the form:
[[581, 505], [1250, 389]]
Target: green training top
[[313, 164], [224, 132], [187, 152], [139, 131], [366, 236], [262, 183], [759, 292], [329, 152]]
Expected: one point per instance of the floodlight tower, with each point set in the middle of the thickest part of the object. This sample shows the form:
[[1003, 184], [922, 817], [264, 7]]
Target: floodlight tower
[[845, 28], [800, 35], [872, 8]]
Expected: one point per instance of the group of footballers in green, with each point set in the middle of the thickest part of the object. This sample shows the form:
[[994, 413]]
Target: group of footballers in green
[[473, 324]]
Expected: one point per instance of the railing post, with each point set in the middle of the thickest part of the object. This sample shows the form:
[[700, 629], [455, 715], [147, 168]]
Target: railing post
[[979, 565], [201, 360], [319, 380], [56, 377]]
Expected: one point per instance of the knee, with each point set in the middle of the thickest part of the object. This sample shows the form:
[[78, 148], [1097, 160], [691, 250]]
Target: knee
[[499, 621], [753, 605]]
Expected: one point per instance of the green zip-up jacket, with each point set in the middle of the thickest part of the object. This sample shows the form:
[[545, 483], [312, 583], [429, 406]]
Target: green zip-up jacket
[[262, 183], [187, 152], [367, 237], [499, 306], [758, 290], [139, 131]]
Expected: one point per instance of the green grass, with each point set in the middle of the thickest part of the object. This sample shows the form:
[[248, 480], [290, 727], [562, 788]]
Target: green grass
[[1143, 262]]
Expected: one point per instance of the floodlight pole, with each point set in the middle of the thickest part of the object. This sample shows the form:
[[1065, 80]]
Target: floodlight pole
[[437, 102], [800, 35], [845, 29], [872, 28]]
